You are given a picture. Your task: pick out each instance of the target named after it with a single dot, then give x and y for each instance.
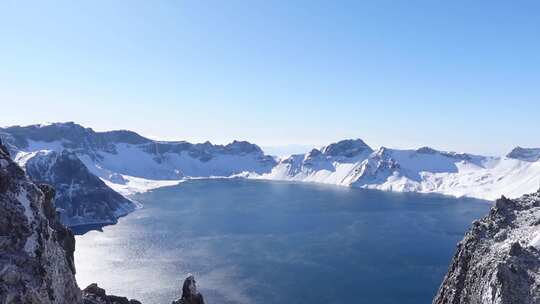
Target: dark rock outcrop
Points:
(80, 195)
(36, 250)
(526, 154)
(86, 141)
(36, 260)
(347, 148)
(498, 261)
(190, 295)
(95, 295)
(73, 137)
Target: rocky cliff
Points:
(90, 169)
(81, 196)
(498, 261)
(36, 250)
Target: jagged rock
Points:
(35, 266)
(82, 196)
(190, 295)
(93, 294)
(72, 136)
(346, 148)
(85, 141)
(36, 250)
(526, 154)
(73, 159)
(498, 261)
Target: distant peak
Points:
(427, 150)
(382, 151)
(67, 124)
(314, 153)
(525, 154)
(243, 146)
(347, 148)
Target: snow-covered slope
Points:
(332, 164)
(81, 196)
(423, 170)
(86, 166)
(129, 162)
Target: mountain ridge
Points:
(94, 166)
(424, 170)
(128, 163)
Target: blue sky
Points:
(455, 75)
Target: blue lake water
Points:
(272, 242)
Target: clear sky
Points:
(454, 75)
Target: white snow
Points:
(535, 242)
(22, 157)
(132, 169)
(133, 161)
(439, 172)
(134, 185)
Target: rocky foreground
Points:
(36, 250)
(498, 261)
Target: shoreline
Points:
(135, 185)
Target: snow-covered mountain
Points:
(83, 165)
(124, 157)
(423, 170)
(81, 197)
(332, 164)
(128, 162)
